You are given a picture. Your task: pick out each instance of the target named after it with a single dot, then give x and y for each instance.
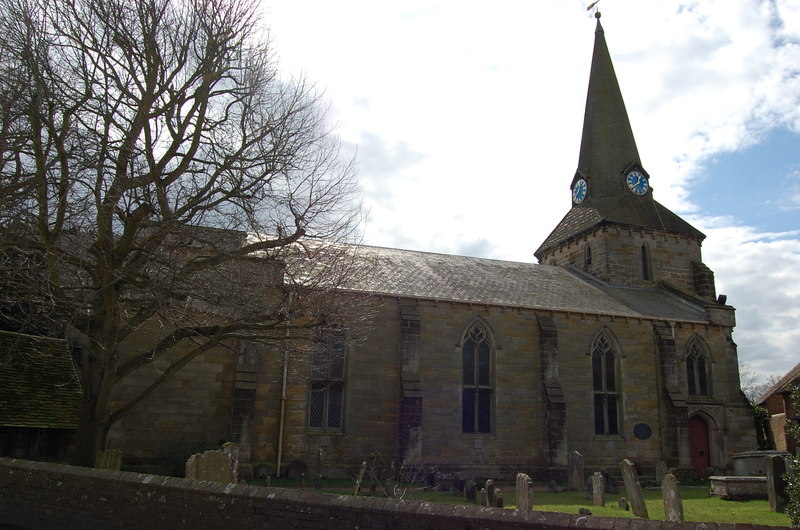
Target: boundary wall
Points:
(39, 495)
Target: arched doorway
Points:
(698, 444)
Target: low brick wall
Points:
(51, 496)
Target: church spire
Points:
(611, 186)
(608, 147)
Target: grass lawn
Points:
(697, 505)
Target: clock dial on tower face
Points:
(637, 182)
(579, 191)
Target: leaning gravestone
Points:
(111, 459)
(221, 465)
(673, 502)
(576, 481)
(598, 490)
(634, 489)
(776, 484)
(524, 492)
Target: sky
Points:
(465, 120)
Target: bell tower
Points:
(615, 230)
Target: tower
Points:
(615, 230)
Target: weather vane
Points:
(593, 5)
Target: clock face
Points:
(637, 182)
(579, 191)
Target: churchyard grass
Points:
(697, 505)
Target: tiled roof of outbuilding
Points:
(480, 281)
(38, 383)
(792, 377)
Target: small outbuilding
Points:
(39, 397)
(777, 401)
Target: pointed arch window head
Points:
(604, 384)
(698, 369)
(476, 381)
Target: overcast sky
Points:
(465, 118)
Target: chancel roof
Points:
(38, 383)
(480, 281)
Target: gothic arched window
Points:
(476, 381)
(698, 368)
(326, 398)
(604, 384)
(587, 257)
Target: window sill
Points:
(325, 432)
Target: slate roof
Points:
(782, 385)
(38, 383)
(480, 281)
(620, 210)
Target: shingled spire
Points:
(607, 144)
(607, 156)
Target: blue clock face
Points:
(579, 191)
(637, 182)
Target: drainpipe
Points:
(281, 417)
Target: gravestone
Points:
(359, 478)
(776, 484)
(318, 481)
(221, 465)
(633, 488)
(470, 493)
(623, 504)
(575, 471)
(498, 498)
(552, 487)
(589, 487)
(598, 489)
(661, 471)
(490, 493)
(458, 484)
(111, 459)
(524, 492)
(673, 503)
(609, 482)
(484, 497)
(231, 450)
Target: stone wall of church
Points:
(199, 405)
(191, 411)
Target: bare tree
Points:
(754, 384)
(155, 168)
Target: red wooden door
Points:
(698, 444)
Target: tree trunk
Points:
(92, 426)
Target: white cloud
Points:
(467, 117)
(758, 272)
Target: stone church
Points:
(615, 345)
